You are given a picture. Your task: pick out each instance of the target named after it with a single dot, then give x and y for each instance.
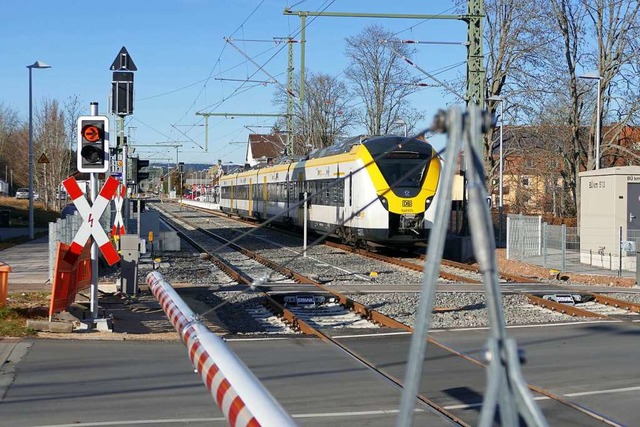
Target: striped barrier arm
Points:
(238, 393)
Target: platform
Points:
(29, 264)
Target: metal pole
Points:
(304, 248)
(94, 254)
(31, 230)
(138, 219)
(598, 126)
(451, 122)
(500, 199)
(93, 181)
(46, 194)
(544, 244)
(126, 208)
(564, 247)
(620, 253)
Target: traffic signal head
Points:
(93, 144)
(135, 174)
(141, 164)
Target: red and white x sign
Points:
(91, 216)
(118, 224)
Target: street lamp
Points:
(593, 76)
(37, 65)
(402, 122)
(500, 205)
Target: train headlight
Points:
(427, 202)
(384, 202)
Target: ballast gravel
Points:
(242, 311)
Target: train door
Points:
(350, 190)
(265, 196)
(287, 196)
(250, 198)
(232, 189)
(300, 192)
(633, 209)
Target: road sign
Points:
(43, 159)
(91, 216)
(123, 61)
(118, 224)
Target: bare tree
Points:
(10, 137)
(612, 25)
(380, 79)
(515, 38)
(50, 142)
(72, 110)
(327, 110)
(325, 115)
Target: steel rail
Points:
(550, 305)
(634, 307)
(302, 326)
(305, 327)
(397, 261)
(564, 308)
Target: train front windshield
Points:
(403, 162)
(403, 168)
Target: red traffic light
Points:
(91, 133)
(93, 144)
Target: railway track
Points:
(278, 282)
(305, 318)
(588, 305)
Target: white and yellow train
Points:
(379, 189)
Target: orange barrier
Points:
(69, 277)
(4, 283)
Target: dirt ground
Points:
(537, 272)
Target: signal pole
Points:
(473, 18)
(93, 158)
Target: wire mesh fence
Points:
(561, 248)
(65, 229)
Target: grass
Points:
(19, 308)
(32, 305)
(19, 212)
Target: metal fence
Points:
(558, 247)
(64, 230)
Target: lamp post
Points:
(593, 76)
(500, 200)
(37, 65)
(402, 122)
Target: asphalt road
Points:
(81, 383)
(84, 382)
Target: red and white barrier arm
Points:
(239, 394)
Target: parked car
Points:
(68, 209)
(22, 193)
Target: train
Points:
(361, 190)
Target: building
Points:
(536, 179)
(265, 148)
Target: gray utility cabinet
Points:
(610, 213)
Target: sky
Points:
(181, 55)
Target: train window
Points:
(403, 171)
